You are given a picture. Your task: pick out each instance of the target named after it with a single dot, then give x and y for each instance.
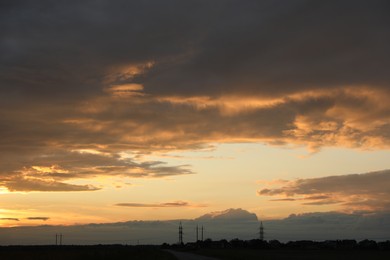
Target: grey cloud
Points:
(353, 191)
(132, 232)
(274, 48)
(266, 47)
(308, 226)
(330, 225)
(252, 44)
(323, 63)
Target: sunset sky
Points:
(144, 110)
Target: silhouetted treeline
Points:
(275, 244)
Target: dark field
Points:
(99, 252)
(294, 254)
(83, 252)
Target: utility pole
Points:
(197, 231)
(202, 232)
(261, 231)
(180, 234)
(58, 239)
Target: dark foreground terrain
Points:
(293, 250)
(98, 252)
(293, 254)
(259, 250)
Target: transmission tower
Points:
(261, 231)
(180, 234)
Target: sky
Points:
(156, 110)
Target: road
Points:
(188, 256)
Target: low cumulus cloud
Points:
(353, 192)
(137, 77)
(174, 204)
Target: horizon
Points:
(228, 225)
(162, 110)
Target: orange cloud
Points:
(89, 139)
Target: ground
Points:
(293, 254)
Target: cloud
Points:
(329, 226)
(284, 199)
(27, 185)
(12, 219)
(175, 204)
(38, 218)
(367, 191)
(49, 172)
(228, 224)
(162, 80)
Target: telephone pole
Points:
(58, 239)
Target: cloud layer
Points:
(309, 226)
(353, 192)
(87, 86)
(174, 204)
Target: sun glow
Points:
(4, 190)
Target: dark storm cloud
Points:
(52, 49)
(366, 191)
(144, 76)
(278, 47)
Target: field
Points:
(293, 254)
(114, 252)
(83, 253)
